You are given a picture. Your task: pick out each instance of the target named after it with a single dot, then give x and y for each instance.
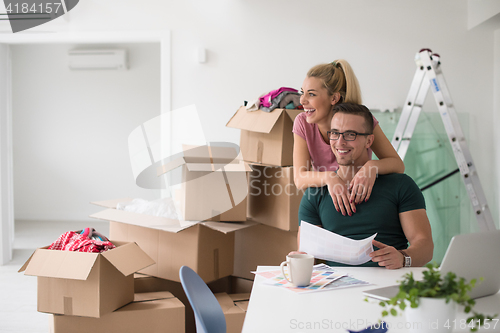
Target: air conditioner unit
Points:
(98, 59)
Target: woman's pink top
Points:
(321, 153)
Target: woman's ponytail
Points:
(338, 77)
(352, 90)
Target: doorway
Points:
(7, 73)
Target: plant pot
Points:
(431, 316)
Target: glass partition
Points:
(429, 158)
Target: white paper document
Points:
(327, 245)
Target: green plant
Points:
(450, 287)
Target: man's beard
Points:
(347, 163)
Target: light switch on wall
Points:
(201, 55)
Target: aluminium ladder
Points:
(429, 75)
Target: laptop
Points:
(469, 256)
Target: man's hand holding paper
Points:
(323, 244)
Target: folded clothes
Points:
(267, 100)
(290, 98)
(277, 100)
(252, 105)
(86, 241)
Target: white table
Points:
(274, 309)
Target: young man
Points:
(395, 211)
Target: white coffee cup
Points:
(300, 267)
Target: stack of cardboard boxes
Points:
(259, 199)
(88, 290)
(214, 188)
(273, 200)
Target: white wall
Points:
(6, 187)
(259, 45)
(71, 129)
(496, 109)
(481, 11)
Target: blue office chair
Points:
(207, 311)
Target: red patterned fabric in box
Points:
(73, 241)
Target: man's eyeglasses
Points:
(348, 135)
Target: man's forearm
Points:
(420, 252)
(417, 230)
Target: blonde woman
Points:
(314, 163)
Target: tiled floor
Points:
(17, 291)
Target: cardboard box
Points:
(214, 183)
(206, 247)
(273, 198)
(86, 284)
(241, 285)
(145, 283)
(266, 137)
(234, 308)
(261, 245)
(157, 312)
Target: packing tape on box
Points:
(216, 263)
(228, 186)
(260, 151)
(68, 305)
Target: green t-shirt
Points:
(392, 194)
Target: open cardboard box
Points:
(148, 313)
(86, 284)
(146, 283)
(234, 307)
(214, 183)
(206, 247)
(273, 198)
(273, 247)
(266, 137)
